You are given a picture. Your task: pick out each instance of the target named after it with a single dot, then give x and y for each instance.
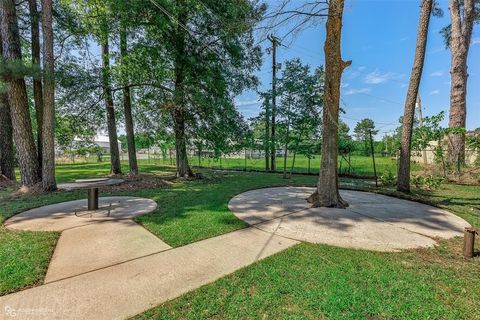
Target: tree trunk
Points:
(177, 111)
(183, 168)
(327, 194)
(48, 158)
(267, 137)
(7, 158)
(112, 127)
(7, 163)
(295, 156)
(420, 125)
(37, 79)
(285, 152)
(403, 182)
(459, 46)
(17, 96)
(127, 109)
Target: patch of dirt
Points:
(34, 190)
(468, 176)
(138, 182)
(131, 183)
(7, 183)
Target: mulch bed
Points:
(138, 182)
(131, 183)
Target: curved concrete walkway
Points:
(91, 240)
(372, 221)
(106, 266)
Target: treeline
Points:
(172, 68)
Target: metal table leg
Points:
(93, 199)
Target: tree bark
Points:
(327, 194)
(7, 161)
(37, 79)
(48, 144)
(420, 125)
(183, 168)
(285, 152)
(111, 124)
(267, 136)
(17, 96)
(459, 47)
(127, 108)
(178, 108)
(7, 157)
(403, 182)
(295, 155)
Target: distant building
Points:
(100, 140)
(470, 154)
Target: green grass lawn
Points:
(323, 282)
(360, 165)
(188, 211)
(306, 281)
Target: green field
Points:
(307, 281)
(359, 165)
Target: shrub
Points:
(388, 178)
(428, 182)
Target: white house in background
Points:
(100, 140)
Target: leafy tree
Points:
(68, 127)
(362, 131)
(345, 143)
(266, 98)
(431, 130)
(96, 18)
(300, 105)
(473, 143)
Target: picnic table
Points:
(92, 186)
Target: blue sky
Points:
(379, 36)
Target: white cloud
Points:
(475, 41)
(377, 77)
(344, 85)
(434, 92)
(356, 91)
(438, 73)
(242, 103)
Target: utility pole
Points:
(275, 42)
(420, 125)
(386, 144)
(267, 133)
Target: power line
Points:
(314, 54)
